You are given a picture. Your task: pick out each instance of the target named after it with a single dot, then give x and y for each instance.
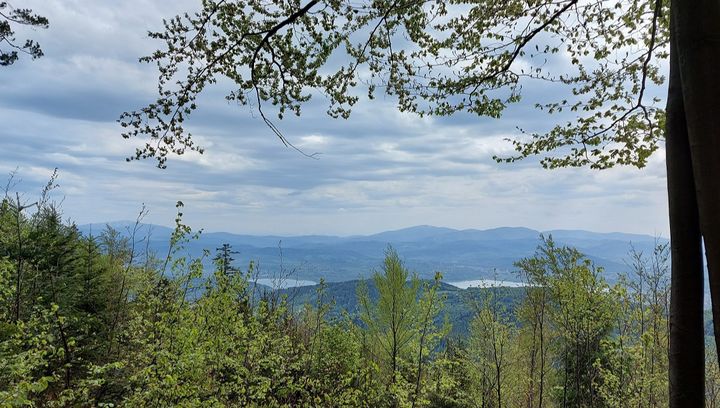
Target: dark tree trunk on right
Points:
(693, 160)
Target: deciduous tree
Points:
(439, 57)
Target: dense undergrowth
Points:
(99, 321)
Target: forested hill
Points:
(459, 254)
(459, 305)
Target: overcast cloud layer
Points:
(379, 170)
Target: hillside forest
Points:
(99, 320)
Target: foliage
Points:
(435, 57)
(92, 321)
(399, 327)
(490, 340)
(10, 18)
(635, 369)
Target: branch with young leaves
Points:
(436, 57)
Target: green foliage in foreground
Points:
(92, 321)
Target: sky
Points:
(377, 171)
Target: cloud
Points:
(378, 170)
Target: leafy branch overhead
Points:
(435, 57)
(10, 19)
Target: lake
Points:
(285, 283)
(486, 283)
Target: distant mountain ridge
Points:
(458, 254)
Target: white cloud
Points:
(380, 169)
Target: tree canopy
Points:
(99, 320)
(436, 57)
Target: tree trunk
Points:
(687, 352)
(698, 44)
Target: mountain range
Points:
(461, 255)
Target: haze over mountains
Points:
(459, 254)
